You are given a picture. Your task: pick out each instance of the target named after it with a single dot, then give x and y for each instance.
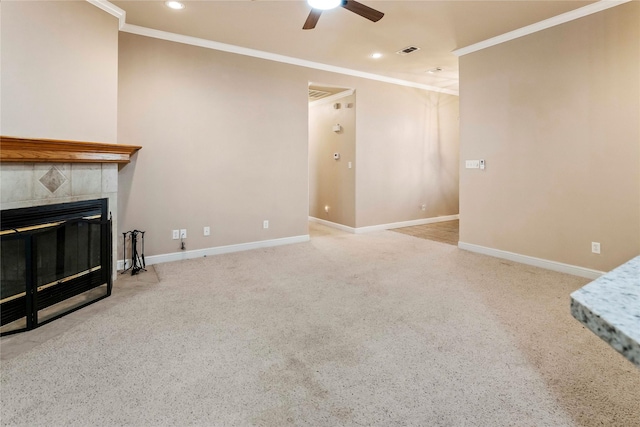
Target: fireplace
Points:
(55, 260)
(76, 182)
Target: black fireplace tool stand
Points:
(137, 258)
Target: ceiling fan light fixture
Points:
(324, 4)
(176, 5)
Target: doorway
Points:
(332, 156)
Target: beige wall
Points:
(225, 144)
(59, 71)
(556, 117)
(59, 80)
(331, 182)
(407, 154)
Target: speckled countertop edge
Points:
(610, 307)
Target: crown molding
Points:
(542, 25)
(111, 9)
(209, 44)
(224, 47)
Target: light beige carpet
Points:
(380, 329)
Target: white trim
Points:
(333, 224)
(218, 250)
(209, 44)
(111, 9)
(332, 98)
(542, 25)
(381, 227)
(536, 262)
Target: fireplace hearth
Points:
(55, 259)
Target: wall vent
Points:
(407, 50)
(317, 94)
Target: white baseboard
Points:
(402, 224)
(380, 227)
(333, 224)
(536, 262)
(218, 250)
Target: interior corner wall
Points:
(59, 71)
(332, 183)
(407, 154)
(225, 144)
(555, 115)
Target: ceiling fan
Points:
(317, 6)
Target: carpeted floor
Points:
(380, 329)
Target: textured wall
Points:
(58, 80)
(59, 71)
(555, 114)
(407, 154)
(225, 144)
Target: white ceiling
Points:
(346, 40)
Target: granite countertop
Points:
(610, 307)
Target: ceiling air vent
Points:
(407, 50)
(317, 94)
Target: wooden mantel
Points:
(14, 149)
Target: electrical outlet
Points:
(265, 223)
(595, 247)
(207, 231)
(183, 233)
(176, 234)
(423, 207)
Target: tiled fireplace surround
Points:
(64, 178)
(35, 184)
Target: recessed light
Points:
(434, 70)
(376, 55)
(174, 5)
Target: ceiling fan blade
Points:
(362, 10)
(312, 19)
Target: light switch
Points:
(472, 164)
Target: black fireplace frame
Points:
(24, 224)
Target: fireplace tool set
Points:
(137, 259)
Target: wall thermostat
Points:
(336, 156)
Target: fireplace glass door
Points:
(53, 262)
